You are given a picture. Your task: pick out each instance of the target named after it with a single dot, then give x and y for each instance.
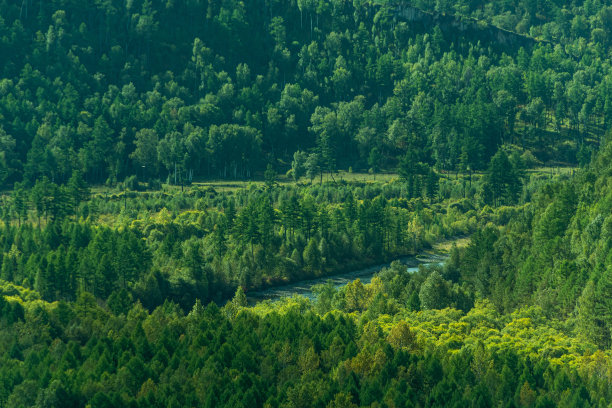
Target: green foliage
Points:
(434, 292)
(96, 282)
(554, 254)
(197, 97)
(200, 244)
(502, 184)
(337, 360)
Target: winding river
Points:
(304, 288)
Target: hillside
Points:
(162, 161)
(182, 90)
(556, 254)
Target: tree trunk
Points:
(311, 26)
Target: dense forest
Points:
(203, 244)
(183, 90)
(161, 160)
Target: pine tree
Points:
(432, 184)
(20, 202)
(312, 257)
(78, 190)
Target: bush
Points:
(131, 183)
(155, 184)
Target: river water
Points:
(304, 288)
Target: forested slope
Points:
(178, 90)
(122, 241)
(370, 345)
(557, 253)
(571, 23)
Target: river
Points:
(304, 288)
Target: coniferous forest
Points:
(161, 161)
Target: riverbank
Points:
(437, 254)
